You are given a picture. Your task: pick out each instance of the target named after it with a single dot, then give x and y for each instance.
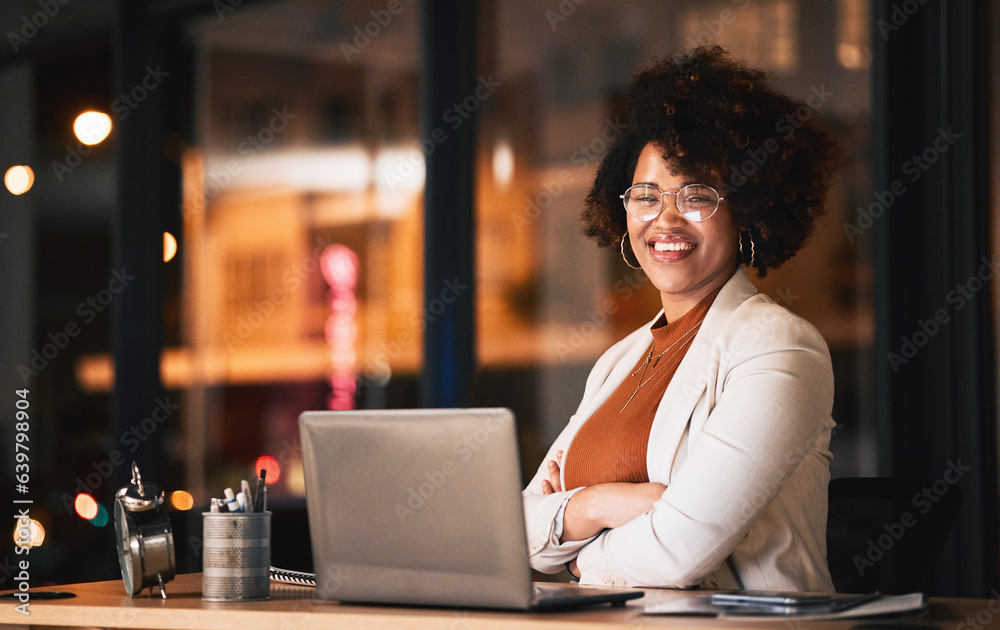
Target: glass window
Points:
(302, 229)
(550, 302)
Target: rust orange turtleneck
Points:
(611, 444)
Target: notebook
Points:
(423, 507)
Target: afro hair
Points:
(721, 122)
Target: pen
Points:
(260, 499)
(248, 499)
(262, 492)
(242, 501)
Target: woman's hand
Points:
(602, 506)
(553, 484)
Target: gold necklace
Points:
(650, 357)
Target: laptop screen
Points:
(416, 506)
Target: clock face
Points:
(127, 548)
(144, 538)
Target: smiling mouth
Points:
(672, 247)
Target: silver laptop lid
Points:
(416, 507)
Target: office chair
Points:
(885, 533)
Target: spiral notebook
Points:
(423, 507)
(287, 576)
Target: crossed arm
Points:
(601, 506)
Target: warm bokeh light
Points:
(92, 127)
(853, 57)
(400, 170)
(181, 500)
(19, 179)
(272, 467)
(86, 506)
(28, 533)
(503, 163)
(169, 247)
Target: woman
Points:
(699, 453)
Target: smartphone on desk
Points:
(769, 598)
(768, 603)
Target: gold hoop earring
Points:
(625, 236)
(752, 249)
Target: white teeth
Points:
(672, 247)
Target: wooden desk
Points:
(105, 604)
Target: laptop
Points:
(423, 507)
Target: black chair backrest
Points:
(886, 533)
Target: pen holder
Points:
(237, 556)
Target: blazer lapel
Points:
(697, 370)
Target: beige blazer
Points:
(741, 440)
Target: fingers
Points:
(555, 479)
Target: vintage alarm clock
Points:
(145, 540)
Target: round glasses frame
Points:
(681, 203)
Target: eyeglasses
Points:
(695, 202)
